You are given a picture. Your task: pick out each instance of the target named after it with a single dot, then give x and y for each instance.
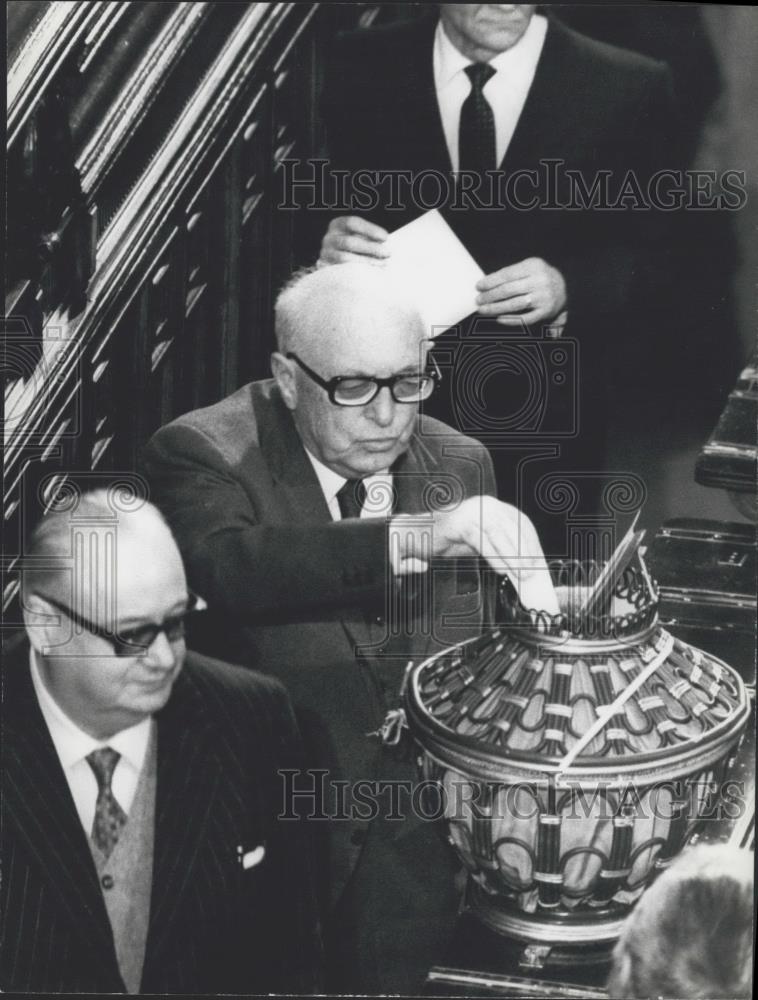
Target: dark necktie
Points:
(109, 816)
(350, 497)
(476, 132)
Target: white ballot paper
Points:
(437, 269)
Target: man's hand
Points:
(531, 291)
(480, 526)
(350, 238)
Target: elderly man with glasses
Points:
(338, 533)
(141, 845)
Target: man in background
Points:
(485, 88)
(141, 849)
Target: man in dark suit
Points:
(141, 849)
(339, 536)
(550, 113)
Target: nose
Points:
(161, 653)
(382, 407)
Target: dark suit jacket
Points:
(214, 927)
(591, 107)
(310, 598)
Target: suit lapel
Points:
(37, 803)
(417, 102)
(188, 777)
(411, 475)
(548, 109)
(293, 474)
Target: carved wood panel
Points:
(146, 246)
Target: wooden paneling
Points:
(146, 246)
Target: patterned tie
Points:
(351, 497)
(109, 816)
(476, 132)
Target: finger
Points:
(345, 257)
(505, 290)
(493, 280)
(513, 539)
(361, 245)
(328, 255)
(539, 593)
(487, 531)
(513, 272)
(499, 549)
(520, 319)
(519, 305)
(362, 227)
(412, 565)
(532, 581)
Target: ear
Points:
(41, 622)
(283, 371)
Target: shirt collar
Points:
(332, 482)
(448, 60)
(521, 57)
(72, 743)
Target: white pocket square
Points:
(252, 858)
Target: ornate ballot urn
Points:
(573, 762)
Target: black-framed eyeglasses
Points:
(133, 641)
(357, 390)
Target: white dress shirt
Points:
(506, 91)
(378, 502)
(73, 745)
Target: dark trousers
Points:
(396, 917)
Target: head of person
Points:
(481, 31)
(336, 327)
(691, 933)
(104, 594)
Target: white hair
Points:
(691, 933)
(308, 300)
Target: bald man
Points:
(141, 845)
(339, 534)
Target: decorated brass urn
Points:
(574, 757)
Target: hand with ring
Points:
(531, 291)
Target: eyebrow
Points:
(408, 370)
(177, 609)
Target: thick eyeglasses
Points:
(357, 390)
(133, 641)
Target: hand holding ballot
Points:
(351, 238)
(531, 291)
(432, 260)
(426, 257)
(479, 526)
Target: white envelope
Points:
(438, 271)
